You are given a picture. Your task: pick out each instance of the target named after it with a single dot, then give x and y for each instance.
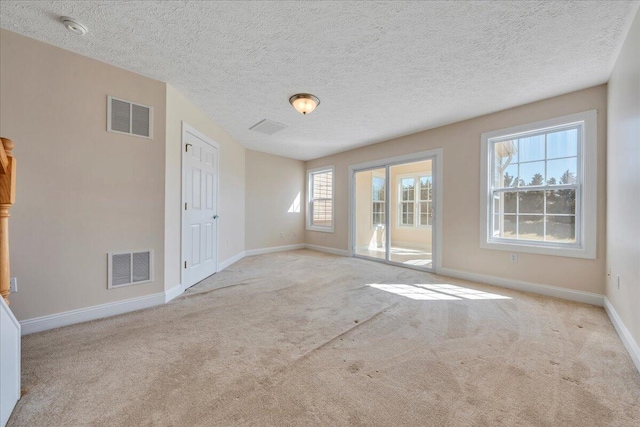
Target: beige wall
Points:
(81, 191)
(623, 183)
(274, 201)
(461, 193)
(231, 200)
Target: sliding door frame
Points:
(434, 155)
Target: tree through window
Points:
(535, 187)
(540, 187)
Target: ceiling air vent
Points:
(129, 118)
(268, 127)
(130, 268)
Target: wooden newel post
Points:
(7, 198)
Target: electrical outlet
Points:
(513, 258)
(618, 282)
(281, 235)
(13, 284)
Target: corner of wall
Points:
(274, 201)
(623, 181)
(232, 184)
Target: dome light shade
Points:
(304, 103)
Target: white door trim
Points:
(186, 128)
(436, 155)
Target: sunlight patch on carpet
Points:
(435, 292)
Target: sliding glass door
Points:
(393, 213)
(411, 219)
(371, 211)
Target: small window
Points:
(378, 201)
(320, 199)
(425, 213)
(540, 187)
(415, 204)
(407, 200)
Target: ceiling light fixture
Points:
(304, 103)
(74, 26)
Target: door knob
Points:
(216, 217)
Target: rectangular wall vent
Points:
(130, 268)
(129, 118)
(268, 127)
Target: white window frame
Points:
(401, 200)
(309, 210)
(416, 199)
(428, 201)
(586, 191)
(382, 176)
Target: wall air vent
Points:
(129, 118)
(268, 127)
(130, 268)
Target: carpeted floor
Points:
(300, 339)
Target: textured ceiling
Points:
(380, 69)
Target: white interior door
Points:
(200, 215)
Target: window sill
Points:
(320, 229)
(532, 248)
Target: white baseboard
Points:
(624, 334)
(334, 251)
(43, 323)
(519, 285)
(174, 292)
(253, 252)
(227, 262)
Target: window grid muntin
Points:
(378, 204)
(415, 210)
(407, 202)
(321, 199)
(577, 186)
(428, 201)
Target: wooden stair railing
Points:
(7, 198)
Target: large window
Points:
(536, 186)
(415, 201)
(320, 199)
(378, 201)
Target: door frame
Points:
(186, 128)
(436, 155)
